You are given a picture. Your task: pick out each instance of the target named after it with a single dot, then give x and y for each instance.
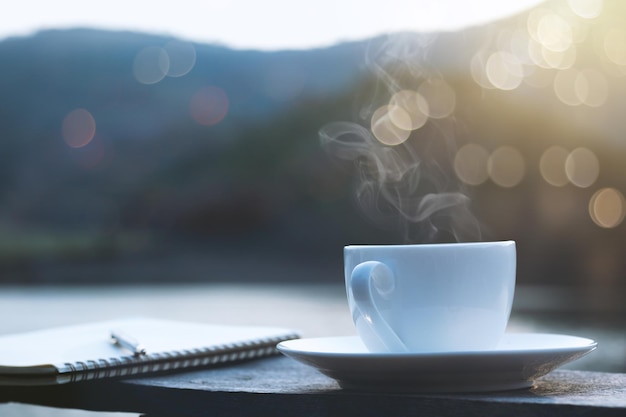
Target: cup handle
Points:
(365, 277)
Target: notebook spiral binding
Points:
(151, 363)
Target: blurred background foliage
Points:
(127, 157)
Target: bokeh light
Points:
(79, 128)
(477, 69)
(594, 90)
(506, 166)
(607, 207)
(550, 41)
(399, 117)
(470, 164)
(559, 59)
(96, 154)
(589, 87)
(565, 87)
(539, 78)
(517, 44)
(410, 110)
(552, 166)
(553, 32)
(384, 128)
(615, 45)
(580, 28)
(533, 20)
(537, 55)
(182, 57)
(582, 167)
(209, 106)
(151, 65)
(504, 70)
(440, 97)
(587, 9)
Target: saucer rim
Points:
(585, 344)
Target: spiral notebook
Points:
(87, 352)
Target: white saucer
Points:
(515, 363)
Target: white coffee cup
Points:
(451, 297)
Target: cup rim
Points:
(427, 245)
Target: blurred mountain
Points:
(149, 159)
(151, 165)
(146, 139)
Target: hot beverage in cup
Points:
(449, 297)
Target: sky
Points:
(256, 24)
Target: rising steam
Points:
(399, 187)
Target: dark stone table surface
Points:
(279, 385)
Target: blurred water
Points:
(322, 308)
(315, 310)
